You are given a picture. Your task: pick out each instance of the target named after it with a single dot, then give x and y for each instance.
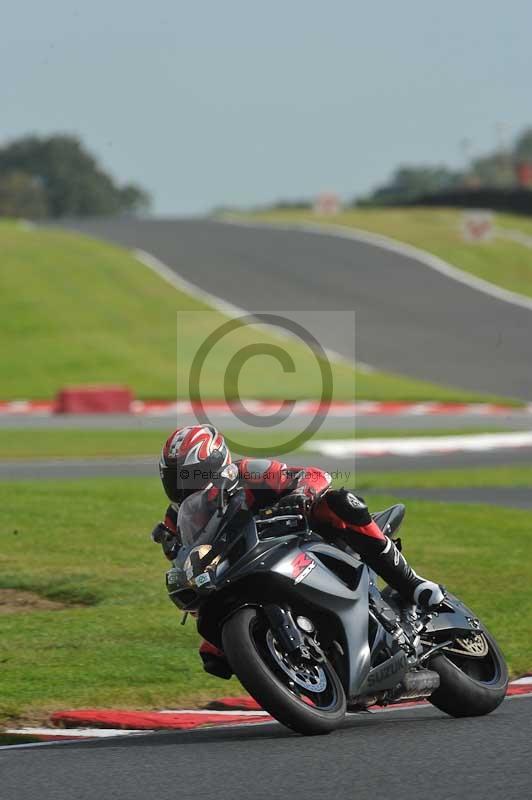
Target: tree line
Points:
(500, 170)
(55, 176)
(501, 179)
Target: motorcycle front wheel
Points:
(305, 694)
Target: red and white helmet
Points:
(191, 459)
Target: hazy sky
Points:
(212, 103)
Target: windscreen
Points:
(194, 514)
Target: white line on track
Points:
(70, 733)
(419, 445)
(92, 736)
(228, 713)
(180, 283)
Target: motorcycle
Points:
(305, 627)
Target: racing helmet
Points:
(191, 459)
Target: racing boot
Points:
(214, 661)
(346, 513)
(393, 567)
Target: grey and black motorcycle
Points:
(305, 628)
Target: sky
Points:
(242, 103)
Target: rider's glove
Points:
(169, 540)
(160, 533)
(294, 503)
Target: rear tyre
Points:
(470, 686)
(308, 697)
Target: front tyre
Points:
(470, 686)
(304, 694)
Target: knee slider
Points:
(348, 506)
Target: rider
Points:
(193, 456)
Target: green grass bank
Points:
(122, 645)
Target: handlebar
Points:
(283, 518)
(290, 521)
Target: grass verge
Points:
(505, 263)
(128, 649)
(471, 477)
(516, 223)
(75, 310)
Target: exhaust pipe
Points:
(416, 685)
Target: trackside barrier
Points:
(94, 400)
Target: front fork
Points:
(284, 628)
(290, 636)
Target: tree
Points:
(22, 196)
(495, 171)
(409, 182)
(134, 199)
(73, 183)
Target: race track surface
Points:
(514, 421)
(346, 469)
(410, 319)
(400, 754)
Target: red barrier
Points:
(94, 400)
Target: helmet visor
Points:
(180, 482)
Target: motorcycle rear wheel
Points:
(247, 643)
(470, 687)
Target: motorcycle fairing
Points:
(454, 617)
(321, 587)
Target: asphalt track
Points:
(410, 319)
(400, 754)
(347, 470)
(513, 421)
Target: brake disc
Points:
(308, 675)
(475, 646)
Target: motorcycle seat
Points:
(390, 519)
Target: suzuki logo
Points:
(379, 674)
